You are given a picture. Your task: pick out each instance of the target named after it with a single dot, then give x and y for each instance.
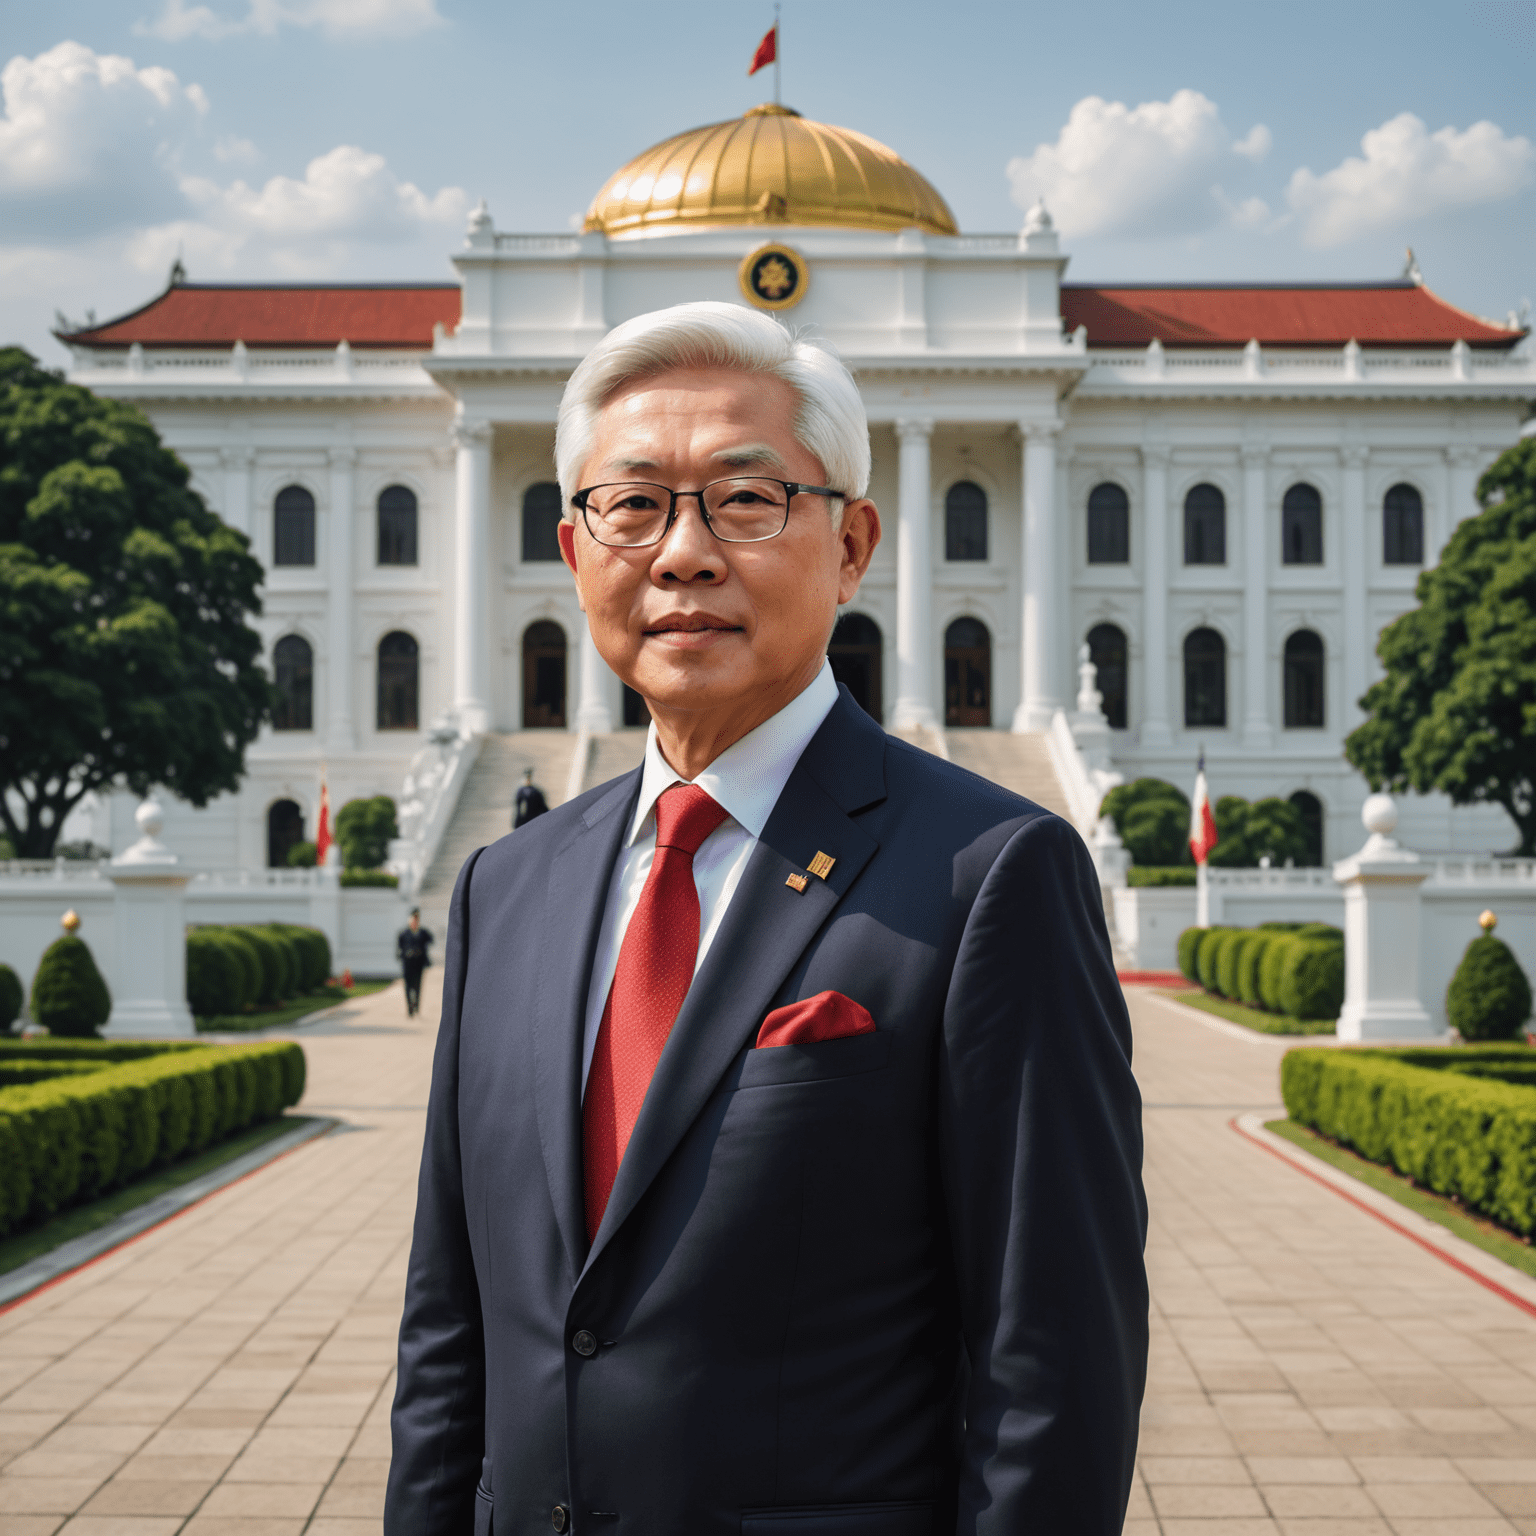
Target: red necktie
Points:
(655, 969)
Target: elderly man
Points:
(782, 1165)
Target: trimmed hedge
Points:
(1152, 874)
(1295, 969)
(234, 968)
(1440, 1118)
(379, 877)
(79, 1133)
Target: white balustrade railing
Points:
(433, 783)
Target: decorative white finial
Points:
(1089, 699)
(479, 219)
(149, 849)
(149, 818)
(1038, 220)
(1411, 269)
(1379, 813)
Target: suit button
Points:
(584, 1343)
(560, 1517)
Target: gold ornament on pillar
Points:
(70, 921)
(1487, 921)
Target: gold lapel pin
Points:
(821, 865)
(797, 883)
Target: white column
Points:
(237, 488)
(1154, 597)
(1039, 701)
(149, 978)
(1064, 639)
(914, 578)
(1257, 731)
(1355, 560)
(340, 733)
(472, 529)
(595, 712)
(1382, 936)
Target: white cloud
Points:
(1256, 145)
(1151, 169)
(1408, 173)
(178, 21)
(89, 141)
(232, 149)
(347, 193)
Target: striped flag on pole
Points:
(1202, 824)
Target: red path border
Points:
(1370, 1210)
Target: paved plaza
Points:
(229, 1374)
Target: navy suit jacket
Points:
(889, 1285)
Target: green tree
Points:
(1246, 833)
(1456, 711)
(363, 831)
(1152, 818)
(125, 655)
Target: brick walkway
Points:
(229, 1374)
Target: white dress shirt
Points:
(747, 779)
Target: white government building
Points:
(1224, 490)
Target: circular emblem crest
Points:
(774, 277)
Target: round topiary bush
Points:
(273, 967)
(68, 995)
(292, 982)
(1489, 997)
(1248, 967)
(246, 958)
(1229, 965)
(1272, 964)
(1312, 982)
(11, 995)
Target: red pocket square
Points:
(827, 1016)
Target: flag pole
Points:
(778, 46)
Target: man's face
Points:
(415, 922)
(693, 623)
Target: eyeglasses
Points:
(747, 510)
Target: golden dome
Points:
(770, 166)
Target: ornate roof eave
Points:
(1261, 389)
(493, 367)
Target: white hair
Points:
(829, 423)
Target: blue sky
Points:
(300, 139)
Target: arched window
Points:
(855, 653)
(1205, 678)
(1107, 651)
(541, 521)
(1205, 526)
(285, 827)
(967, 673)
(293, 527)
(965, 522)
(293, 671)
(397, 525)
(399, 678)
(1304, 680)
(543, 676)
(1301, 526)
(1109, 525)
(1402, 526)
(1310, 809)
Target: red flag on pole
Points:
(767, 50)
(323, 830)
(1202, 824)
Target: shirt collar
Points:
(750, 775)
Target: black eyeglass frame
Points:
(792, 488)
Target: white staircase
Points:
(1021, 763)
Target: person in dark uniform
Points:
(530, 802)
(412, 946)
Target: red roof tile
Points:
(1395, 314)
(218, 315)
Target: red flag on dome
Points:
(323, 830)
(1202, 824)
(767, 50)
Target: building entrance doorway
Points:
(967, 673)
(855, 651)
(543, 676)
(285, 827)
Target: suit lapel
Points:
(575, 900)
(766, 929)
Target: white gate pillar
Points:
(149, 983)
(1382, 934)
(914, 577)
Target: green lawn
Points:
(1478, 1230)
(80, 1219)
(286, 1013)
(1253, 1018)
